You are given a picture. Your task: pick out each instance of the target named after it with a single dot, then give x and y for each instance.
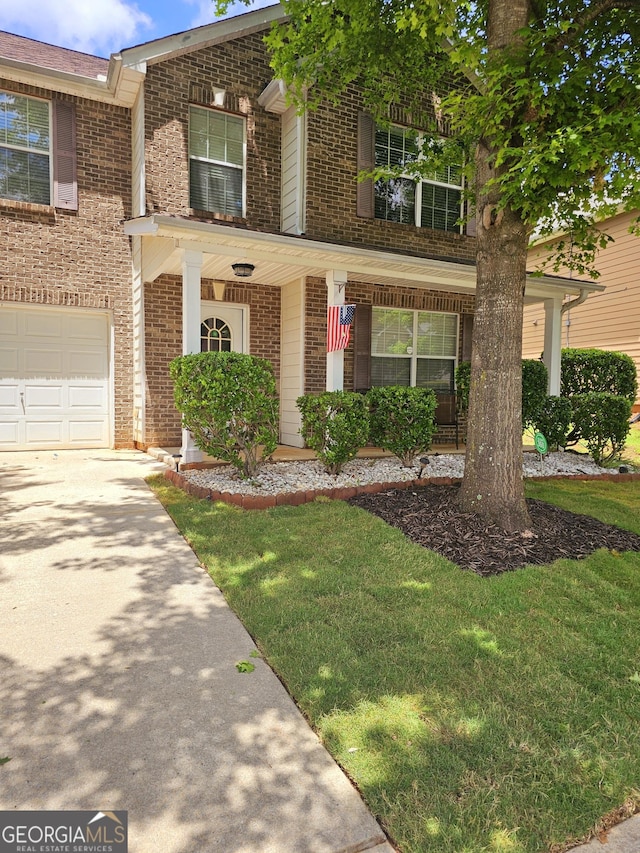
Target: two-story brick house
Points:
(170, 200)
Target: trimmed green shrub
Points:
(334, 424)
(401, 420)
(553, 420)
(229, 402)
(585, 371)
(534, 387)
(601, 421)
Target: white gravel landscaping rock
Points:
(282, 477)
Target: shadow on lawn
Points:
(474, 714)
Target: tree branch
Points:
(588, 16)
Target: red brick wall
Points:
(332, 167)
(163, 333)
(80, 258)
(239, 67)
(315, 377)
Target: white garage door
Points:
(54, 378)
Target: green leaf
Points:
(245, 666)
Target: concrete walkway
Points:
(118, 685)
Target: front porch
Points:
(280, 286)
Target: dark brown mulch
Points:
(430, 517)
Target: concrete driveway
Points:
(118, 684)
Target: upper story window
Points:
(417, 348)
(25, 149)
(216, 161)
(431, 202)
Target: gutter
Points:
(573, 303)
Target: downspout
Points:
(573, 303)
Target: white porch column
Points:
(553, 343)
(336, 282)
(191, 277)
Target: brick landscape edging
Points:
(343, 493)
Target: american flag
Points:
(339, 320)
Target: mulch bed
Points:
(430, 516)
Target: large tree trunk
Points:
(493, 486)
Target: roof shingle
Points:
(39, 53)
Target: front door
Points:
(223, 328)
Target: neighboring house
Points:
(609, 320)
(170, 200)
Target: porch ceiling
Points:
(281, 259)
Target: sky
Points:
(102, 27)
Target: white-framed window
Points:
(216, 161)
(417, 348)
(25, 148)
(431, 202)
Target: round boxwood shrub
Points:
(553, 420)
(334, 424)
(601, 421)
(229, 402)
(586, 371)
(402, 420)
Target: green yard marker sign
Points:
(541, 443)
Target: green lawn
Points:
(474, 714)
(631, 452)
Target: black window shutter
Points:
(366, 162)
(362, 348)
(65, 180)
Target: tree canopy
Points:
(541, 103)
(559, 101)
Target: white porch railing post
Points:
(336, 283)
(553, 343)
(191, 279)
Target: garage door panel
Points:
(9, 362)
(54, 378)
(88, 397)
(86, 329)
(87, 433)
(43, 362)
(8, 322)
(9, 397)
(43, 324)
(87, 363)
(43, 396)
(9, 434)
(43, 432)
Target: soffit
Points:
(281, 259)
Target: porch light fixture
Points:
(243, 270)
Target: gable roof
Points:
(22, 49)
(217, 32)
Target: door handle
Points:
(24, 411)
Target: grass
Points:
(475, 715)
(631, 452)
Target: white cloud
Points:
(93, 26)
(206, 10)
